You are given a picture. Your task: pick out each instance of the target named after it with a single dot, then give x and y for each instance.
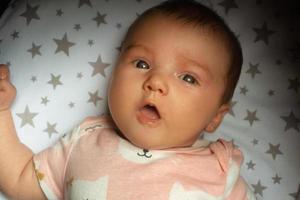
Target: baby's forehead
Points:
(207, 30)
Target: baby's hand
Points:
(7, 90)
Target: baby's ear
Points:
(214, 124)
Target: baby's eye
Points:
(189, 78)
(141, 64)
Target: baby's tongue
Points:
(150, 113)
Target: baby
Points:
(174, 79)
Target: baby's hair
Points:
(195, 14)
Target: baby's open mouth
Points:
(149, 115)
(150, 111)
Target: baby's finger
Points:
(4, 72)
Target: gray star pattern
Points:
(45, 100)
(63, 44)
(55, 81)
(250, 165)
(291, 121)
(99, 66)
(296, 194)
(232, 104)
(59, 12)
(79, 75)
(100, 19)
(86, 2)
(71, 105)
(276, 179)
(258, 188)
(271, 92)
(94, 98)
(274, 150)
(243, 90)
(253, 70)
(50, 129)
(294, 84)
(30, 13)
(15, 35)
(35, 50)
(33, 79)
(77, 27)
(254, 142)
(27, 117)
(228, 4)
(91, 43)
(251, 116)
(263, 33)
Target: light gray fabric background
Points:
(61, 54)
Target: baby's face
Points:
(168, 84)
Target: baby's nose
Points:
(156, 83)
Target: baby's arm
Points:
(17, 173)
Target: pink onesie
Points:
(94, 163)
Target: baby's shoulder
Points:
(93, 122)
(87, 126)
(227, 153)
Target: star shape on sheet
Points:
(119, 25)
(271, 93)
(71, 104)
(50, 129)
(228, 4)
(99, 66)
(263, 33)
(291, 121)
(90, 42)
(295, 52)
(63, 45)
(296, 194)
(27, 117)
(84, 2)
(274, 150)
(294, 84)
(258, 188)
(15, 35)
(251, 117)
(100, 19)
(243, 90)
(253, 70)
(35, 50)
(30, 13)
(77, 27)
(255, 142)
(94, 98)
(79, 75)
(33, 79)
(276, 179)
(250, 165)
(45, 100)
(55, 81)
(231, 105)
(59, 12)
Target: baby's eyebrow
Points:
(133, 46)
(200, 66)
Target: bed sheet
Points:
(61, 54)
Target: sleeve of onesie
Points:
(50, 164)
(230, 160)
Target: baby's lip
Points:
(148, 114)
(152, 104)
